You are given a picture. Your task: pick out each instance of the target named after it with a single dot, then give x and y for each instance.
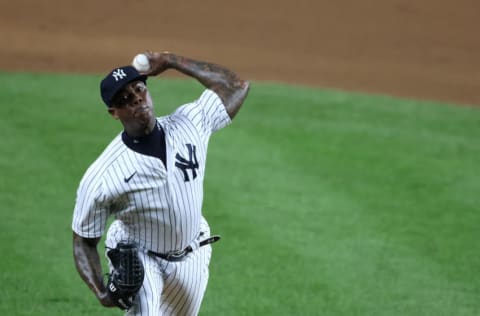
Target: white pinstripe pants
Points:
(171, 288)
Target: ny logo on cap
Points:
(119, 74)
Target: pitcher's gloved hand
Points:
(126, 278)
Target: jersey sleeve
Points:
(91, 210)
(207, 113)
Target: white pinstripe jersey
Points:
(160, 207)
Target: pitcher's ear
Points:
(113, 112)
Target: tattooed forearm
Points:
(87, 262)
(229, 87)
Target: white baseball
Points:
(141, 63)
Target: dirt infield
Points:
(425, 49)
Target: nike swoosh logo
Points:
(129, 178)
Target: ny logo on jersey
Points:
(185, 164)
(119, 74)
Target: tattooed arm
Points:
(87, 262)
(229, 87)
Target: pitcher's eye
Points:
(122, 99)
(141, 87)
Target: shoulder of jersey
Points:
(107, 157)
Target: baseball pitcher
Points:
(150, 180)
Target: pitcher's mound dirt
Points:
(420, 49)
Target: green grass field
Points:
(329, 203)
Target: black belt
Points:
(181, 254)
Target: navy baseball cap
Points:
(116, 80)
